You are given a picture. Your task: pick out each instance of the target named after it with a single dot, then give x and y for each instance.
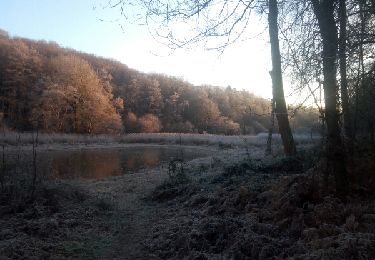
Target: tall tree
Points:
(75, 95)
(19, 71)
(277, 81)
(325, 13)
(343, 75)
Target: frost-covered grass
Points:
(13, 138)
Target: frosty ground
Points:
(237, 204)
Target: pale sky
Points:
(78, 24)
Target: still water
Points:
(105, 162)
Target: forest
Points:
(58, 90)
(100, 161)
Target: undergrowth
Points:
(271, 208)
(60, 221)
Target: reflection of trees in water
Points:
(151, 157)
(85, 164)
(103, 163)
(139, 159)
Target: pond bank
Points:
(14, 139)
(108, 219)
(229, 206)
(95, 161)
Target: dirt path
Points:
(111, 218)
(223, 210)
(133, 213)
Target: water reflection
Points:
(101, 163)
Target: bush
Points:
(149, 123)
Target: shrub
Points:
(149, 123)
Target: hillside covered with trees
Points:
(241, 197)
(53, 89)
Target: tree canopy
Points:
(54, 89)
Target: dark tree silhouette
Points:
(277, 82)
(324, 11)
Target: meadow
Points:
(15, 139)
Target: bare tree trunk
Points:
(277, 82)
(344, 81)
(336, 156)
(270, 130)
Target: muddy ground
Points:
(234, 205)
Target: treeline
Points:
(54, 89)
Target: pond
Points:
(98, 163)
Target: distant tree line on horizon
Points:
(54, 89)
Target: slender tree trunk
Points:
(344, 81)
(371, 130)
(361, 69)
(270, 130)
(277, 82)
(336, 156)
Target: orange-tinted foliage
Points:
(54, 89)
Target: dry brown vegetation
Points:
(59, 222)
(252, 211)
(52, 89)
(318, 204)
(234, 205)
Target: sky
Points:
(88, 26)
